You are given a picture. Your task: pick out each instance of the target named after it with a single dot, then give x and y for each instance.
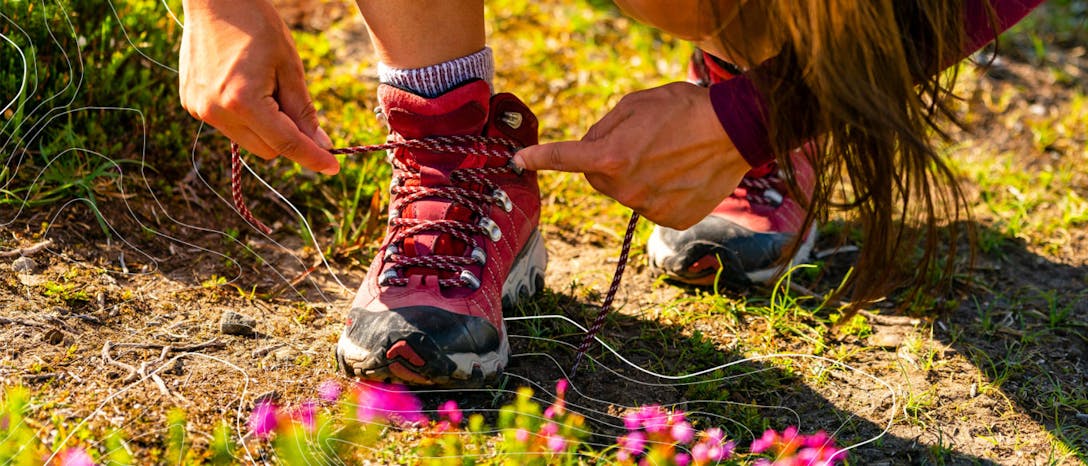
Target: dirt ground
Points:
(114, 332)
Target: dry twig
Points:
(29, 250)
(28, 323)
(33, 378)
(263, 351)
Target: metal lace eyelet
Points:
(514, 167)
(387, 276)
(390, 251)
(470, 280)
(393, 213)
(503, 199)
(479, 256)
(491, 228)
(773, 196)
(512, 119)
(394, 183)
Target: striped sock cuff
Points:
(435, 80)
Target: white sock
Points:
(435, 80)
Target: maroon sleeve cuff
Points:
(742, 113)
(980, 31)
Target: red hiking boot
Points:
(747, 234)
(462, 244)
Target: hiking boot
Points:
(462, 243)
(742, 241)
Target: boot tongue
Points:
(460, 111)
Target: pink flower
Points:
(720, 451)
(682, 459)
(682, 433)
(632, 420)
(561, 388)
(559, 407)
(550, 428)
(633, 442)
(75, 456)
(379, 401)
(699, 453)
(790, 447)
(654, 419)
(443, 426)
(521, 435)
(306, 415)
(556, 443)
(712, 447)
(452, 412)
(262, 421)
(329, 391)
(715, 435)
(817, 440)
(677, 417)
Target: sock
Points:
(435, 80)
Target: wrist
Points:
(212, 7)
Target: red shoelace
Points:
(474, 200)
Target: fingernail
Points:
(519, 161)
(323, 139)
(331, 170)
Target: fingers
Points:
(590, 155)
(566, 156)
(249, 140)
(294, 100)
(279, 132)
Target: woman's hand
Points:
(240, 72)
(661, 152)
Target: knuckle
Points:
(201, 109)
(287, 147)
(594, 133)
(236, 100)
(554, 158)
(308, 117)
(612, 163)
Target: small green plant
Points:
(214, 282)
(68, 293)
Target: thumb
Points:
(295, 102)
(565, 156)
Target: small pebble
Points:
(885, 338)
(23, 264)
(271, 396)
(233, 323)
(53, 337)
(284, 355)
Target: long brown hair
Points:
(866, 75)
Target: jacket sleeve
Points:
(742, 111)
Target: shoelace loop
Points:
(466, 145)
